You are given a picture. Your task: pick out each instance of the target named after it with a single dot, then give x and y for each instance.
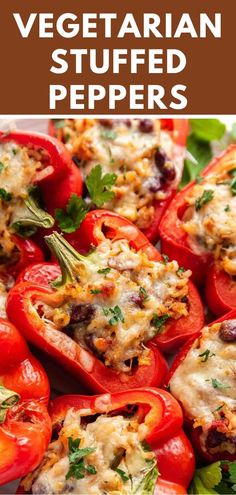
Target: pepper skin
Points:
(25, 430)
(178, 128)
(162, 416)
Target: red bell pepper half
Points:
(160, 419)
(211, 433)
(83, 363)
(178, 130)
(220, 285)
(89, 369)
(57, 179)
(24, 392)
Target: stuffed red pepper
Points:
(110, 309)
(202, 379)
(120, 443)
(26, 161)
(130, 166)
(24, 392)
(198, 229)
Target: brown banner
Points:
(26, 62)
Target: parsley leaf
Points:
(227, 208)
(108, 134)
(91, 469)
(201, 155)
(207, 129)
(232, 472)
(143, 293)
(217, 384)
(1, 166)
(6, 196)
(122, 474)
(70, 218)
(104, 270)
(158, 321)
(95, 291)
(165, 259)
(180, 270)
(99, 186)
(203, 132)
(205, 355)
(76, 459)
(233, 186)
(206, 196)
(218, 408)
(116, 313)
(219, 477)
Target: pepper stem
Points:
(34, 216)
(67, 257)
(8, 399)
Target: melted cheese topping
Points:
(117, 445)
(138, 287)
(206, 386)
(17, 172)
(129, 153)
(213, 227)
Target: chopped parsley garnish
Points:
(99, 186)
(14, 151)
(217, 384)
(108, 134)
(206, 196)
(165, 259)
(6, 196)
(104, 271)
(227, 208)
(233, 186)
(218, 408)
(146, 447)
(159, 321)
(116, 315)
(205, 355)
(95, 291)
(122, 474)
(143, 293)
(91, 469)
(180, 270)
(1, 166)
(78, 468)
(70, 218)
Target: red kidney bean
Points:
(227, 331)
